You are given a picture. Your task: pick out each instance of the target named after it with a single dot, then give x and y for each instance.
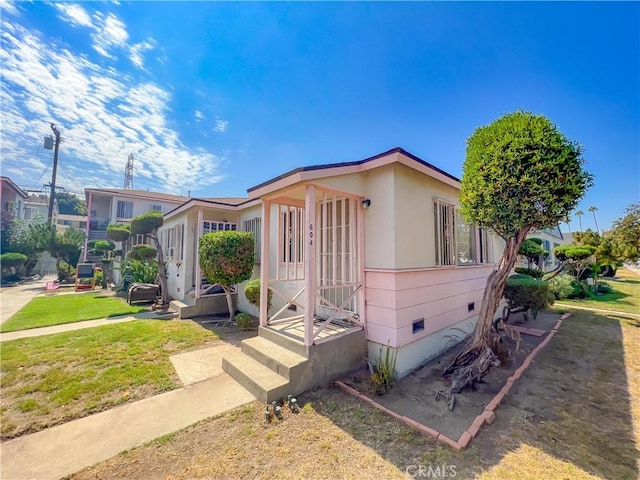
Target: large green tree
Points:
(71, 204)
(227, 258)
(520, 173)
(626, 231)
(148, 224)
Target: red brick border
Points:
(487, 416)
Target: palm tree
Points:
(579, 213)
(593, 210)
(567, 220)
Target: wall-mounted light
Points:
(366, 203)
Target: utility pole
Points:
(52, 195)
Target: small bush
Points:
(99, 275)
(243, 320)
(142, 252)
(532, 272)
(562, 286)
(604, 287)
(252, 292)
(12, 259)
(580, 289)
(527, 293)
(384, 371)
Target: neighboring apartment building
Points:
(117, 205)
(65, 221)
(13, 198)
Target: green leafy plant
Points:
(119, 232)
(148, 224)
(252, 293)
(142, 252)
(531, 248)
(562, 286)
(532, 272)
(244, 321)
(526, 294)
(227, 258)
(12, 259)
(139, 272)
(383, 371)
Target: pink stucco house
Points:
(357, 255)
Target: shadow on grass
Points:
(573, 404)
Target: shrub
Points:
(526, 293)
(580, 289)
(139, 272)
(142, 252)
(383, 372)
(562, 286)
(243, 320)
(604, 287)
(99, 277)
(12, 259)
(532, 272)
(252, 292)
(118, 232)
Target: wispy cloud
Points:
(9, 7)
(221, 125)
(199, 115)
(108, 33)
(103, 116)
(74, 14)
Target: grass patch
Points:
(574, 414)
(55, 378)
(624, 297)
(69, 308)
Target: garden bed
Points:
(414, 396)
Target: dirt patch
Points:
(416, 396)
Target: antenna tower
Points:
(128, 173)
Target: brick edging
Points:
(487, 416)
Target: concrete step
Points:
(265, 384)
(279, 359)
(285, 341)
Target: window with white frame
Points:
(31, 213)
(172, 241)
(292, 248)
(124, 209)
(458, 242)
(210, 227)
(156, 208)
(254, 225)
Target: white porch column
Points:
(360, 258)
(264, 262)
(310, 262)
(87, 228)
(198, 279)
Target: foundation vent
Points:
(418, 325)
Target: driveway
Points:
(13, 298)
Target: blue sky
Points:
(214, 98)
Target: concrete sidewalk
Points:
(67, 327)
(62, 450)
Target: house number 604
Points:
(311, 234)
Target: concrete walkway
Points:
(593, 309)
(68, 327)
(62, 450)
(13, 298)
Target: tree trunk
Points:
(227, 292)
(162, 274)
(480, 340)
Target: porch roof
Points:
(312, 172)
(229, 203)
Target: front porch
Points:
(315, 272)
(312, 267)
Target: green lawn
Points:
(69, 308)
(574, 414)
(625, 296)
(55, 378)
